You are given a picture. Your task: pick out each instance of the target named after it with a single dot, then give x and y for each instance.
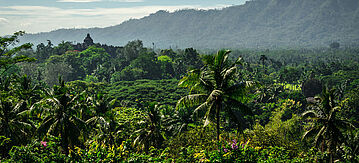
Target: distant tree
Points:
(186, 60)
(62, 48)
(168, 52)
(92, 57)
(148, 62)
(9, 56)
(311, 87)
(263, 58)
(290, 74)
(54, 70)
(192, 59)
(129, 73)
(44, 51)
(166, 66)
(132, 50)
(334, 45)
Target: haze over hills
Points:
(256, 24)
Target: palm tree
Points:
(60, 119)
(263, 58)
(27, 92)
(14, 118)
(326, 125)
(14, 123)
(179, 121)
(217, 88)
(151, 133)
(102, 118)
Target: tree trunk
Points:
(217, 114)
(64, 141)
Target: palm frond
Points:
(243, 109)
(310, 113)
(44, 127)
(214, 95)
(319, 135)
(191, 100)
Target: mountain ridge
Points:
(255, 24)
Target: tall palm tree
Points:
(325, 123)
(61, 120)
(217, 88)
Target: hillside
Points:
(257, 23)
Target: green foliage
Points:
(60, 118)
(165, 58)
(38, 151)
(217, 89)
(132, 50)
(290, 74)
(196, 139)
(10, 56)
(326, 124)
(129, 119)
(280, 131)
(93, 57)
(97, 119)
(133, 93)
(152, 133)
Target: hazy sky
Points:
(35, 16)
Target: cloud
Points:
(3, 20)
(126, 0)
(83, 1)
(35, 19)
(78, 1)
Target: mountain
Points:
(255, 24)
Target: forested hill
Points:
(257, 23)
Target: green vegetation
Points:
(99, 103)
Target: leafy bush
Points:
(39, 151)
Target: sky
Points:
(33, 16)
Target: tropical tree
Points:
(14, 123)
(179, 121)
(9, 56)
(60, 117)
(101, 120)
(27, 92)
(152, 133)
(326, 124)
(263, 58)
(216, 88)
(43, 51)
